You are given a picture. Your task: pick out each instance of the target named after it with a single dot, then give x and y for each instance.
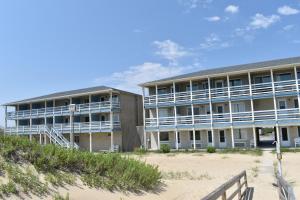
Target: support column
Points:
(53, 120)
(157, 118)
(5, 121)
(211, 113)
(252, 110)
(40, 138)
(275, 106)
(297, 86)
(175, 115)
(193, 114)
(144, 120)
(90, 123)
(111, 123)
(30, 122)
(17, 121)
(91, 142)
(230, 112)
(71, 136)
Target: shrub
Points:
(211, 149)
(164, 148)
(140, 150)
(110, 171)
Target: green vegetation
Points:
(255, 152)
(60, 166)
(140, 151)
(164, 148)
(288, 150)
(211, 150)
(59, 197)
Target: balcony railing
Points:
(79, 127)
(261, 89)
(221, 118)
(63, 110)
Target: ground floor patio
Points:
(250, 137)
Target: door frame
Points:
(209, 143)
(288, 142)
(222, 144)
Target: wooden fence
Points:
(285, 190)
(241, 192)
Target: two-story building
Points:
(103, 118)
(224, 107)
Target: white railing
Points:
(63, 110)
(79, 127)
(199, 95)
(165, 98)
(262, 115)
(262, 88)
(241, 90)
(285, 86)
(219, 92)
(183, 96)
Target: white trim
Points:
(222, 144)
(286, 143)
(281, 100)
(221, 74)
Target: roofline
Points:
(153, 83)
(65, 96)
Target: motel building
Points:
(249, 105)
(101, 119)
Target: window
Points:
(102, 118)
(239, 134)
(296, 104)
(219, 84)
(196, 111)
(86, 119)
(178, 137)
(235, 82)
(209, 136)
(205, 85)
(220, 109)
(197, 135)
(164, 136)
(298, 131)
(262, 79)
(238, 107)
(162, 90)
(284, 77)
(222, 136)
(76, 138)
(284, 134)
(282, 104)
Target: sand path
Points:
(263, 183)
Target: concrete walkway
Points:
(263, 183)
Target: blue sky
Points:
(57, 45)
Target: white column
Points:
(45, 117)
(175, 115)
(297, 86)
(5, 123)
(211, 113)
(17, 122)
(275, 108)
(91, 142)
(157, 118)
(40, 138)
(53, 120)
(144, 120)
(230, 112)
(71, 122)
(111, 123)
(158, 139)
(252, 110)
(193, 114)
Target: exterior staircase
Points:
(57, 138)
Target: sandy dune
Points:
(192, 176)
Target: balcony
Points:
(242, 92)
(94, 107)
(223, 120)
(85, 127)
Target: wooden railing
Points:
(285, 190)
(242, 191)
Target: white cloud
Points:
(232, 9)
(296, 41)
(288, 27)
(213, 41)
(137, 30)
(261, 21)
(170, 50)
(192, 4)
(287, 10)
(213, 18)
(129, 79)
